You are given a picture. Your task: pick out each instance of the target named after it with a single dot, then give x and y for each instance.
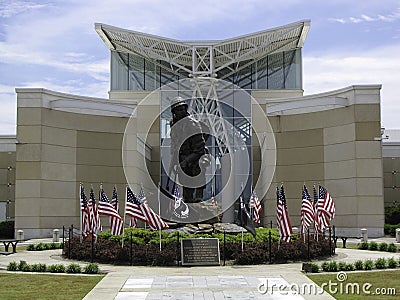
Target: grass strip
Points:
(38, 286)
(383, 285)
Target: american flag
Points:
(95, 224)
(255, 204)
(107, 209)
(283, 221)
(325, 210)
(114, 200)
(307, 210)
(137, 209)
(114, 221)
(85, 222)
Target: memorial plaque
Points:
(200, 252)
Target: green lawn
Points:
(35, 286)
(382, 280)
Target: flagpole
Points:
(242, 240)
(123, 231)
(159, 210)
(80, 209)
(145, 223)
(251, 204)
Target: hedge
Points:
(145, 248)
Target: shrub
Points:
(363, 246)
(392, 248)
(380, 263)
(373, 246)
(38, 268)
(359, 265)
(325, 266)
(22, 265)
(39, 247)
(383, 247)
(342, 266)
(368, 264)
(332, 267)
(391, 229)
(314, 268)
(30, 247)
(392, 263)
(349, 267)
(145, 246)
(42, 267)
(73, 268)
(53, 246)
(91, 268)
(58, 268)
(7, 229)
(12, 266)
(392, 214)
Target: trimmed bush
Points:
(30, 247)
(91, 268)
(368, 264)
(73, 269)
(392, 248)
(22, 265)
(391, 229)
(342, 266)
(53, 246)
(145, 246)
(39, 247)
(380, 263)
(373, 246)
(314, 268)
(392, 263)
(383, 247)
(325, 266)
(359, 265)
(363, 246)
(12, 266)
(38, 268)
(333, 267)
(349, 267)
(392, 214)
(58, 268)
(7, 229)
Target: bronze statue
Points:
(189, 154)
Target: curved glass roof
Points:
(206, 58)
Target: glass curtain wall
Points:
(280, 70)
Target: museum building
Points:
(265, 132)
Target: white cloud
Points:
(379, 66)
(367, 18)
(11, 8)
(392, 17)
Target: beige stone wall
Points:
(57, 150)
(391, 172)
(334, 145)
(339, 149)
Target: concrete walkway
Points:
(277, 281)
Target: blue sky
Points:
(53, 44)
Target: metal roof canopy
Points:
(205, 58)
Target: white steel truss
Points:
(205, 58)
(205, 104)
